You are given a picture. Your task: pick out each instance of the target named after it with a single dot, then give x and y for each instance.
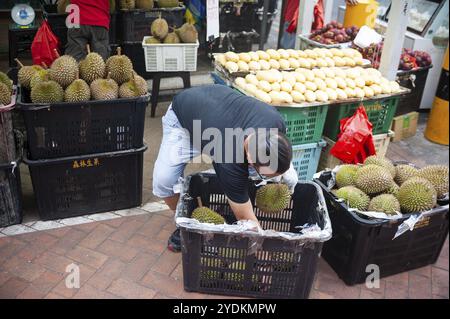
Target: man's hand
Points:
(352, 2)
(290, 178)
(243, 211)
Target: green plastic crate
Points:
(305, 159)
(381, 112)
(304, 124)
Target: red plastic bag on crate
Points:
(355, 142)
(44, 44)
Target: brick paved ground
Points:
(126, 257)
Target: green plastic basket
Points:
(381, 112)
(304, 124)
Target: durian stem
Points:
(57, 53)
(19, 63)
(44, 65)
(199, 201)
(108, 76)
(88, 48)
(119, 51)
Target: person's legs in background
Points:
(99, 40)
(288, 39)
(77, 39)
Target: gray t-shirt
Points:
(221, 109)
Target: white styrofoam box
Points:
(163, 57)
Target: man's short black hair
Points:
(270, 144)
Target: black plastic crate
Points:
(10, 194)
(414, 80)
(134, 25)
(358, 242)
(71, 129)
(135, 52)
(57, 22)
(229, 264)
(74, 186)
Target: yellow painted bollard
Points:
(364, 13)
(437, 129)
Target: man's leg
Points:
(100, 41)
(77, 38)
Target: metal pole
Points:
(262, 35)
(393, 44)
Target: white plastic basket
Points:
(380, 141)
(170, 57)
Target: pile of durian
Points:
(317, 85)
(289, 59)
(379, 186)
(91, 79)
(187, 33)
(6, 87)
(147, 4)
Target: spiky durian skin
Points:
(134, 88)
(393, 190)
(39, 76)
(172, 37)
(120, 68)
(104, 89)
(152, 40)
(417, 194)
(26, 73)
(380, 161)
(5, 94)
(159, 28)
(144, 4)
(404, 172)
(206, 215)
(47, 92)
(345, 176)
(273, 198)
(92, 67)
(64, 70)
(353, 197)
(187, 33)
(373, 179)
(438, 176)
(6, 80)
(78, 91)
(168, 3)
(385, 203)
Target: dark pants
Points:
(97, 37)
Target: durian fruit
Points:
(47, 92)
(353, 197)
(26, 73)
(404, 172)
(168, 3)
(393, 190)
(144, 4)
(273, 198)
(159, 28)
(64, 70)
(39, 76)
(373, 179)
(152, 40)
(172, 37)
(187, 33)
(61, 6)
(345, 176)
(5, 94)
(417, 194)
(6, 80)
(206, 215)
(104, 89)
(92, 67)
(78, 91)
(385, 203)
(119, 67)
(137, 86)
(438, 176)
(380, 161)
(127, 4)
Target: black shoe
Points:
(174, 242)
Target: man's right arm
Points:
(243, 211)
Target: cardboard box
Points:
(405, 126)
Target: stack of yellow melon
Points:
(289, 59)
(317, 85)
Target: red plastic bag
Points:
(355, 142)
(44, 44)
